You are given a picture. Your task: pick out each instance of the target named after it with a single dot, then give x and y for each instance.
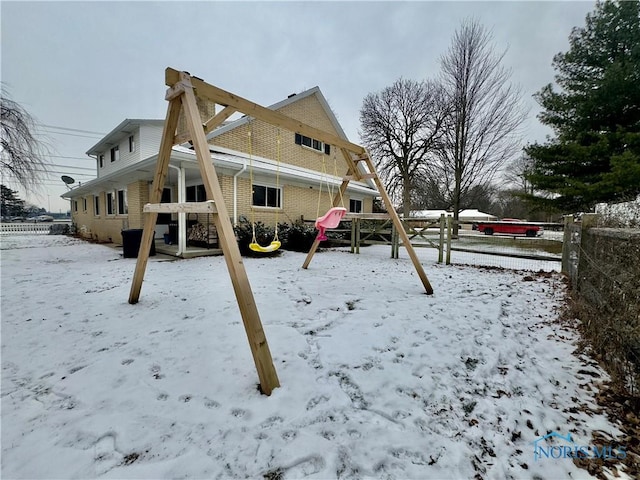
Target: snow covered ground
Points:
(378, 379)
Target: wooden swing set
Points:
(182, 95)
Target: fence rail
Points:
(466, 246)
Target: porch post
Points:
(182, 216)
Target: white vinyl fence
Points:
(25, 228)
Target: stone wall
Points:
(606, 290)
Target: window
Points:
(122, 202)
(132, 144)
(115, 153)
(84, 204)
(355, 206)
(264, 196)
(111, 204)
(313, 143)
(75, 205)
(196, 193)
(101, 160)
(96, 205)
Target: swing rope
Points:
(332, 218)
(275, 243)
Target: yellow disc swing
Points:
(275, 243)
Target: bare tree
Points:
(486, 112)
(400, 127)
(22, 157)
(516, 174)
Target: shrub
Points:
(244, 236)
(297, 237)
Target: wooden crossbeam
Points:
(185, 207)
(212, 123)
(222, 97)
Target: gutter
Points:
(235, 192)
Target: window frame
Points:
(101, 160)
(196, 193)
(312, 144)
(122, 205)
(353, 201)
(278, 196)
(115, 153)
(96, 205)
(110, 204)
(132, 144)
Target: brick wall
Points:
(264, 139)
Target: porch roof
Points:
(226, 161)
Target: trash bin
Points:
(131, 240)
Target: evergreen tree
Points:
(595, 155)
(10, 204)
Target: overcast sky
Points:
(89, 65)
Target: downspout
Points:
(182, 224)
(235, 192)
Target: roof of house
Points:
(129, 125)
(225, 159)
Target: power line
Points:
(69, 134)
(73, 129)
(70, 166)
(72, 158)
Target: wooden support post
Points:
(403, 235)
(164, 155)
(227, 239)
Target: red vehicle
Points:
(510, 226)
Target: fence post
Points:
(353, 235)
(357, 235)
(395, 242)
(441, 244)
(566, 243)
(449, 225)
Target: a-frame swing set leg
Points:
(182, 92)
(392, 214)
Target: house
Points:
(266, 174)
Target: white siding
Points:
(109, 166)
(149, 140)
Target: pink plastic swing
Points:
(331, 219)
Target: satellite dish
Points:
(67, 179)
